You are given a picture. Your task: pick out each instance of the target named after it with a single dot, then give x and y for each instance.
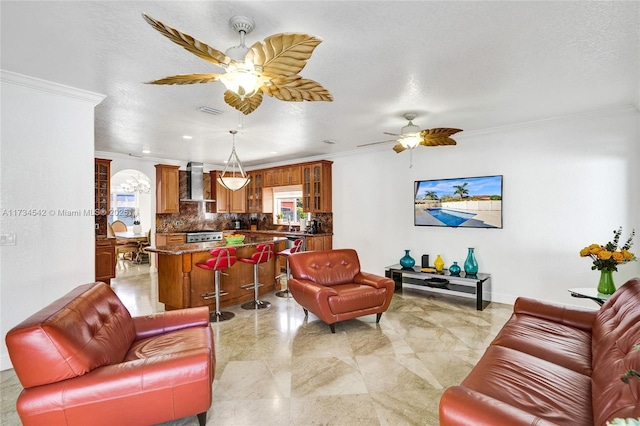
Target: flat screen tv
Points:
(472, 202)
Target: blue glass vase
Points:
(471, 265)
(407, 261)
(454, 269)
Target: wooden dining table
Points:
(131, 237)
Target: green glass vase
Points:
(606, 285)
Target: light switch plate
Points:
(8, 239)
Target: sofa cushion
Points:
(85, 329)
(170, 343)
(538, 387)
(616, 332)
(561, 344)
(355, 297)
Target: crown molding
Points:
(33, 83)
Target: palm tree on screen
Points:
(461, 190)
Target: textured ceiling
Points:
(470, 65)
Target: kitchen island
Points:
(181, 283)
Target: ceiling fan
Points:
(411, 136)
(270, 67)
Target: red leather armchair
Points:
(83, 360)
(331, 285)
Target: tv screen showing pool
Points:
(473, 202)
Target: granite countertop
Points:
(285, 233)
(264, 231)
(177, 250)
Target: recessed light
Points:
(273, 152)
(146, 151)
(187, 137)
(329, 141)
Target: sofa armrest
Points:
(373, 280)
(461, 406)
(581, 318)
(163, 322)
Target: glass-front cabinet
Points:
(316, 187)
(254, 192)
(102, 186)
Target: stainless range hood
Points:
(195, 183)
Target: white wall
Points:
(567, 183)
(47, 167)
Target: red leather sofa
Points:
(83, 360)
(331, 285)
(555, 365)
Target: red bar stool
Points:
(263, 254)
(297, 246)
(223, 258)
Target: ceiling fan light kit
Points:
(270, 67)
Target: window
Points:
(288, 204)
(123, 207)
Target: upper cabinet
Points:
(227, 201)
(316, 187)
(167, 189)
(102, 177)
(283, 176)
(254, 192)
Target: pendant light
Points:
(236, 178)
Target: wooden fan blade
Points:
(198, 48)
(437, 141)
(297, 89)
(283, 55)
(440, 131)
(246, 105)
(187, 79)
(375, 143)
(398, 148)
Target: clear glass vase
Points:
(606, 285)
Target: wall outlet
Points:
(9, 239)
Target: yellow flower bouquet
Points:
(606, 259)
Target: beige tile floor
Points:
(274, 367)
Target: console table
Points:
(476, 286)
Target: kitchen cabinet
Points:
(227, 201)
(318, 243)
(170, 239)
(167, 189)
(292, 175)
(283, 176)
(105, 259)
(316, 187)
(102, 182)
(254, 192)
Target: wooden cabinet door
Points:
(254, 193)
(316, 187)
(295, 175)
(238, 201)
(228, 201)
(102, 179)
(105, 259)
(167, 189)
